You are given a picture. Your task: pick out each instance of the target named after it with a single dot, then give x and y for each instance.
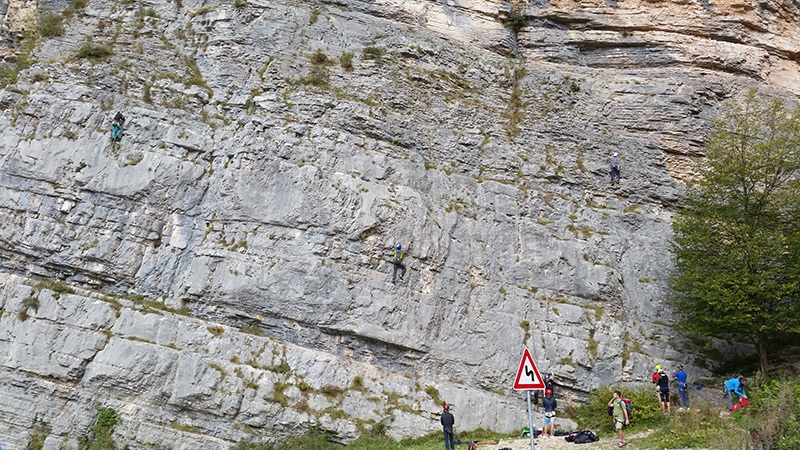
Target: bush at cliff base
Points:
(705, 426)
(646, 411)
(773, 416)
(771, 420)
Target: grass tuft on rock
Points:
(95, 52)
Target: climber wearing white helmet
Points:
(613, 162)
(661, 380)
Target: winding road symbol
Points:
(528, 375)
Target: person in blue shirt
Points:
(735, 386)
(683, 391)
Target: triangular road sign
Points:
(528, 375)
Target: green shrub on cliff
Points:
(100, 436)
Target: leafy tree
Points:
(737, 242)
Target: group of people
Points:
(661, 380)
(733, 386)
(548, 402)
(618, 407)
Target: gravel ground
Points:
(556, 443)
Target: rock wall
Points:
(168, 374)
(273, 154)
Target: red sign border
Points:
(529, 386)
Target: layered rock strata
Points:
(274, 152)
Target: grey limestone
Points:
(222, 273)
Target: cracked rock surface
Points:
(222, 272)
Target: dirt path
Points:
(557, 443)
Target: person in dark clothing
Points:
(550, 404)
(613, 162)
(397, 259)
(116, 126)
(447, 426)
(663, 391)
(548, 384)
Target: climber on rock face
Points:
(613, 162)
(116, 126)
(397, 259)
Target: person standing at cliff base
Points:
(683, 390)
(620, 414)
(447, 426)
(550, 405)
(662, 380)
(548, 384)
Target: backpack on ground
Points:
(582, 437)
(472, 446)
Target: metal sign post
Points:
(530, 420)
(528, 378)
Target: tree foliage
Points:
(736, 242)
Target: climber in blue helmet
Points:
(397, 259)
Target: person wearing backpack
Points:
(397, 259)
(620, 414)
(550, 404)
(116, 126)
(448, 421)
(683, 390)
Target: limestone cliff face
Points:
(222, 272)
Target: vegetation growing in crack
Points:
(100, 434)
(515, 112)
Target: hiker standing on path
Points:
(447, 426)
(550, 404)
(620, 413)
(397, 259)
(683, 390)
(613, 162)
(735, 386)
